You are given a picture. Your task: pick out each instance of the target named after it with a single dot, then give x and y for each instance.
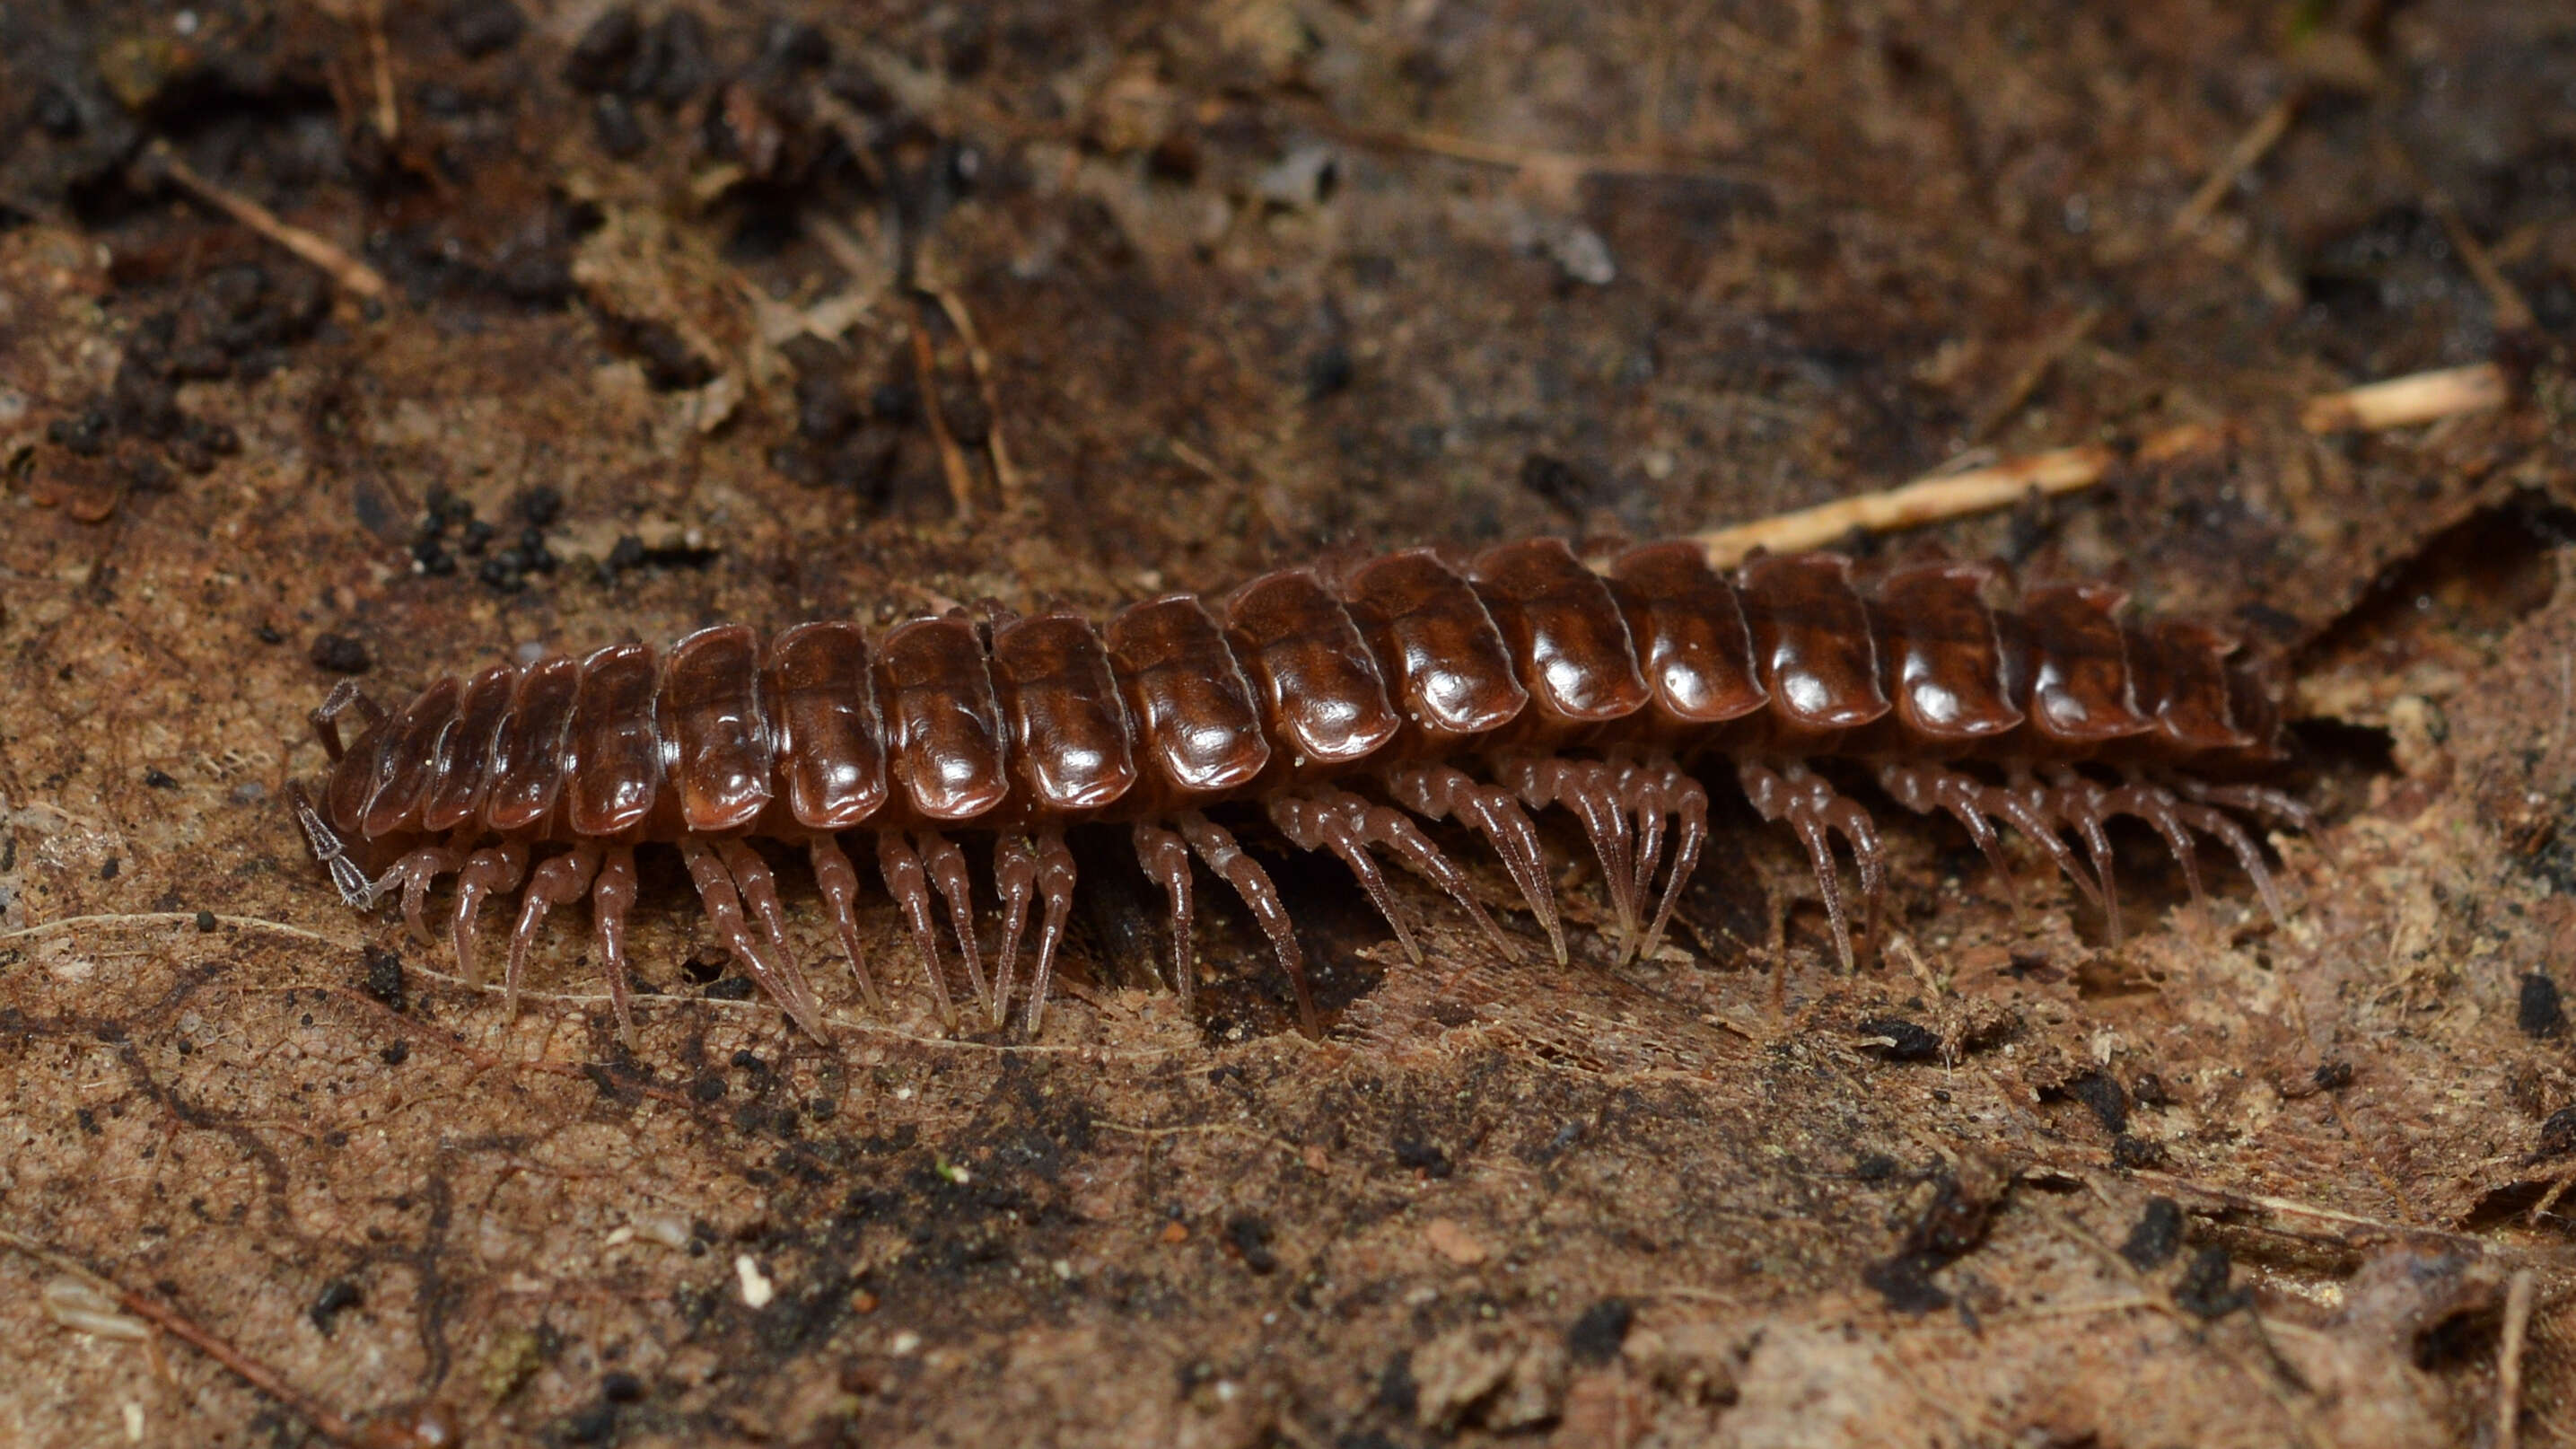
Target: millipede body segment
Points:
(1346, 708)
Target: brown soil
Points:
(810, 310)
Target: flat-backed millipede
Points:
(1344, 707)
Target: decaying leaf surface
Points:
(810, 312)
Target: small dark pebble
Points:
(477, 536)
(109, 870)
(338, 1296)
(710, 1088)
(2333, 1076)
(1898, 1040)
(340, 654)
(396, 1052)
(206, 922)
(502, 572)
(159, 780)
(2100, 1092)
(2203, 1290)
(2558, 1133)
(614, 122)
(2158, 1235)
(732, 988)
(2149, 1090)
(592, 1425)
(750, 1062)
(1251, 1238)
(621, 1388)
(599, 59)
(2540, 1012)
(268, 634)
(479, 27)
(1425, 1156)
(1875, 1167)
(1595, 1337)
(626, 553)
(383, 977)
(2130, 1152)
(541, 505)
(1328, 371)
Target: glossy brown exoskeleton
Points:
(1345, 707)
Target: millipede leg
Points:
(558, 880)
(1591, 790)
(494, 868)
(1812, 809)
(1385, 825)
(715, 886)
(1926, 788)
(2248, 855)
(328, 848)
(2259, 800)
(1026, 873)
(1055, 882)
(2026, 806)
(1312, 824)
(420, 869)
(1166, 860)
(612, 895)
(1015, 876)
(2077, 801)
(1218, 848)
(839, 881)
(1436, 792)
(911, 891)
(344, 697)
(1656, 788)
(2161, 811)
(759, 887)
(946, 866)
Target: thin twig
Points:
(2034, 372)
(2399, 402)
(2517, 1328)
(954, 307)
(2258, 140)
(952, 459)
(2512, 313)
(381, 63)
(1516, 158)
(171, 1321)
(1926, 500)
(172, 918)
(352, 274)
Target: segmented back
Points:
(1571, 686)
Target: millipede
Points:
(1348, 707)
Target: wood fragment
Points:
(2034, 372)
(352, 274)
(953, 307)
(1939, 497)
(2517, 1330)
(952, 459)
(171, 1321)
(2400, 402)
(381, 64)
(2257, 142)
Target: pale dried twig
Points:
(953, 307)
(2517, 1328)
(169, 1320)
(351, 273)
(2398, 402)
(2421, 397)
